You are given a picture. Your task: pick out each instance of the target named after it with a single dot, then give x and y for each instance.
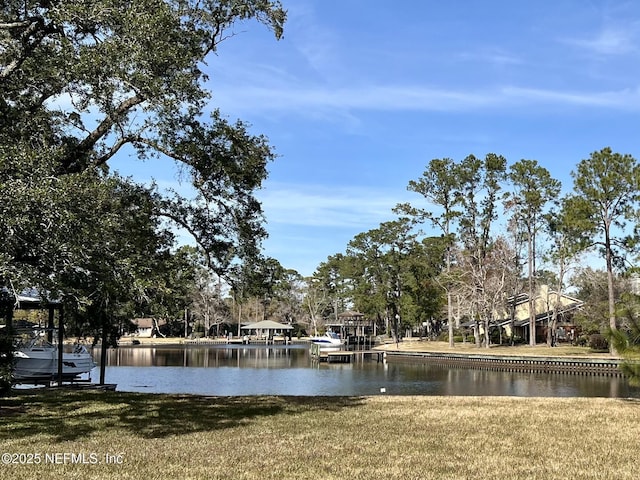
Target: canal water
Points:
(233, 370)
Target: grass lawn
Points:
(150, 436)
(563, 350)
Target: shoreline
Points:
(564, 359)
(411, 346)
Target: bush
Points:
(598, 342)
(6, 364)
(199, 327)
(457, 338)
(581, 341)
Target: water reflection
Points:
(279, 370)
(214, 356)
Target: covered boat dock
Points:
(267, 330)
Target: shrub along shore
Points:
(66, 433)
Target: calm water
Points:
(278, 370)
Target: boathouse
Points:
(352, 324)
(27, 301)
(267, 329)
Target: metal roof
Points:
(267, 325)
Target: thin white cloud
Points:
(322, 206)
(319, 101)
(492, 55)
(610, 40)
(625, 99)
(320, 46)
(311, 101)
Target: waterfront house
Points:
(147, 327)
(515, 314)
(544, 303)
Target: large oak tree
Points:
(82, 82)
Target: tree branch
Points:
(114, 149)
(194, 234)
(83, 148)
(89, 142)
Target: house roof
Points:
(147, 322)
(29, 299)
(543, 303)
(544, 316)
(267, 325)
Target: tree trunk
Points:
(612, 300)
(103, 349)
(487, 337)
(512, 321)
(450, 318)
(60, 345)
(476, 333)
(532, 307)
(551, 329)
(449, 305)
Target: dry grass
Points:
(193, 437)
(518, 350)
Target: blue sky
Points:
(361, 94)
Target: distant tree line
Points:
(497, 225)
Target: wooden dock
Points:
(244, 341)
(344, 356)
(76, 383)
(341, 356)
(111, 387)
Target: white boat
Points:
(37, 359)
(329, 339)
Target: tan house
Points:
(516, 314)
(544, 303)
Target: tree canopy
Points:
(607, 196)
(81, 82)
(485, 213)
(84, 82)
